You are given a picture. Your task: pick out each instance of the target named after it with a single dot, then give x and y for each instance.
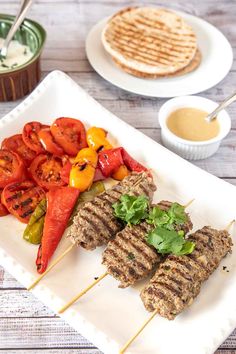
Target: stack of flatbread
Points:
(151, 42)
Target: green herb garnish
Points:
(25, 51)
(5, 66)
(175, 215)
(131, 256)
(169, 241)
(131, 209)
(14, 65)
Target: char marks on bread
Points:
(150, 42)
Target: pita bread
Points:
(151, 42)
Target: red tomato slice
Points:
(21, 199)
(31, 138)
(16, 144)
(11, 167)
(45, 170)
(70, 134)
(46, 139)
(3, 209)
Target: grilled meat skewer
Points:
(95, 223)
(129, 258)
(178, 280)
(117, 256)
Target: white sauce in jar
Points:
(17, 55)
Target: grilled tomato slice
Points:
(46, 170)
(70, 134)
(11, 167)
(3, 209)
(48, 142)
(16, 144)
(21, 199)
(31, 137)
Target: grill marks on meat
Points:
(128, 257)
(95, 223)
(179, 278)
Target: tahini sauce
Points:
(190, 124)
(17, 55)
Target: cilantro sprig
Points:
(175, 215)
(169, 241)
(131, 209)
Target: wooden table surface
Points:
(26, 325)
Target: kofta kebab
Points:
(52, 178)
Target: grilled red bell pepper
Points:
(110, 160)
(65, 172)
(98, 175)
(60, 204)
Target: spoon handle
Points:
(223, 105)
(25, 5)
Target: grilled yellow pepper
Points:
(83, 169)
(96, 139)
(121, 173)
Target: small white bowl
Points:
(192, 150)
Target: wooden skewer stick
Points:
(229, 225)
(72, 301)
(123, 349)
(130, 341)
(189, 203)
(77, 297)
(57, 260)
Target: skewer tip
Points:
(230, 224)
(189, 203)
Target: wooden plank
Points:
(51, 333)
(39, 333)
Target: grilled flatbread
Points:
(194, 64)
(150, 42)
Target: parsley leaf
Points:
(169, 241)
(131, 209)
(175, 215)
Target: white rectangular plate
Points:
(107, 315)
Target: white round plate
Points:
(217, 58)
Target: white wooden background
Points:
(26, 325)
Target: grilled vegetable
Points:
(45, 170)
(65, 172)
(96, 189)
(83, 169)
(96, 139)
(109, 161)
(3, 209)
(21, 199)
(70, 134)
(16, 144)
(34, 230)
(11, 168)
(121, 173)
(31, 137)
(46, 139)
(60, 204)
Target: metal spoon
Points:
(224, 104)
(25, 5)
